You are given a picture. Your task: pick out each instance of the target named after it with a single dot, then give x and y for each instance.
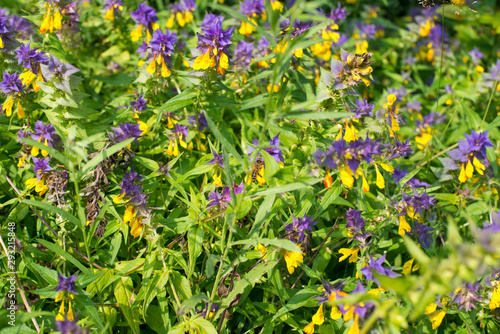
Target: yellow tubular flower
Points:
(495, 299)
(462, 177)
(7, 106)
(319, 318)
(276, 5)
(479, 166)
(20, 111)
(136, 33)
(403, 226)
(469, 170)
(309, 329)
(262, 249)
(430, 308)
(437, 318)
(292, 260)
(355, 326)
(352, 253)
(60, 314)
(346, 175)
(217, 180)
(136, 227)
(1, 43)
(407, 267)
(380, 179)
(328, 181)
(129, 214)
(335, 313)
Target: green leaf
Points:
(223, 140)
(191, 303)
(298, 300)
(53, 209)
(52, 151)
(279, 243)
(249, 279)
(61, 252)
(408, 177)
(271, 165)
(195, 244)
(262, 214)
(287, 187)
(101, 156)
(309, 115)
(124, 296)
(205, 326)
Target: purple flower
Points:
(467, 296)
(363, 108)
(376, 266)
(11, 84)
(217, 160)
(301, 27)
(274, 151)
(366, 30)
(362, 308)
(252, 7)
(219, 199)
(214, 44)
(45, 133)
(66, 284)
(30, 58)
(163, 43)
(68, 327)
(415, 106)
(125, 131)
(184, 6)
(338, 14)
(243, 54)
(41, 166)
(132, 189)
(144, 15)
(423, 233)
(400, 149)
(209, 19)
(412, 183)
(494, 226)
(6, 32)
(476, 55)
(296, 229)
(202, 121)
(58, 72)
(140, 104)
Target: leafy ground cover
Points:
(250, 167)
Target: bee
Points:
(256, 170)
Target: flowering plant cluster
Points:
(251, 166)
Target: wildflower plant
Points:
(257, 166)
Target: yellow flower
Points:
(136, 33)
(495, 299)
(352, 253)
(136, 227)
(346, 175)
(309, 329)
(335, 313)
(380, 179)
(292, 260)
(7, 106)
(328, 181)
(436, 318)
(403, 226)
(262, 249)
(129, 214)
(217, 180)
(355, 327)
(319, 318)
(430, 308)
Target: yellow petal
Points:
(430, 308)
(495, 299)
(136, 33)
(479, 166)
(110, 14)
(224, 61)
(217, 180)
(365, 185)
(355, 327)
(170, 22)
(135, 227)
(165, 72)
(70, 316)
(386, 167)
(7, 106)
(319, 318)
(391, 98)
(462, 177)
(292, 260)
(118, 199)
(309, 329)
(152, 66)
(31, 183)
(469, 170)
(20, 110)
(57, 20)
(380, 179)
(349, 252)
(335, 313)
(436, 318)
(407, 266)
(129, 214)
(346, 177)
(403, 226)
